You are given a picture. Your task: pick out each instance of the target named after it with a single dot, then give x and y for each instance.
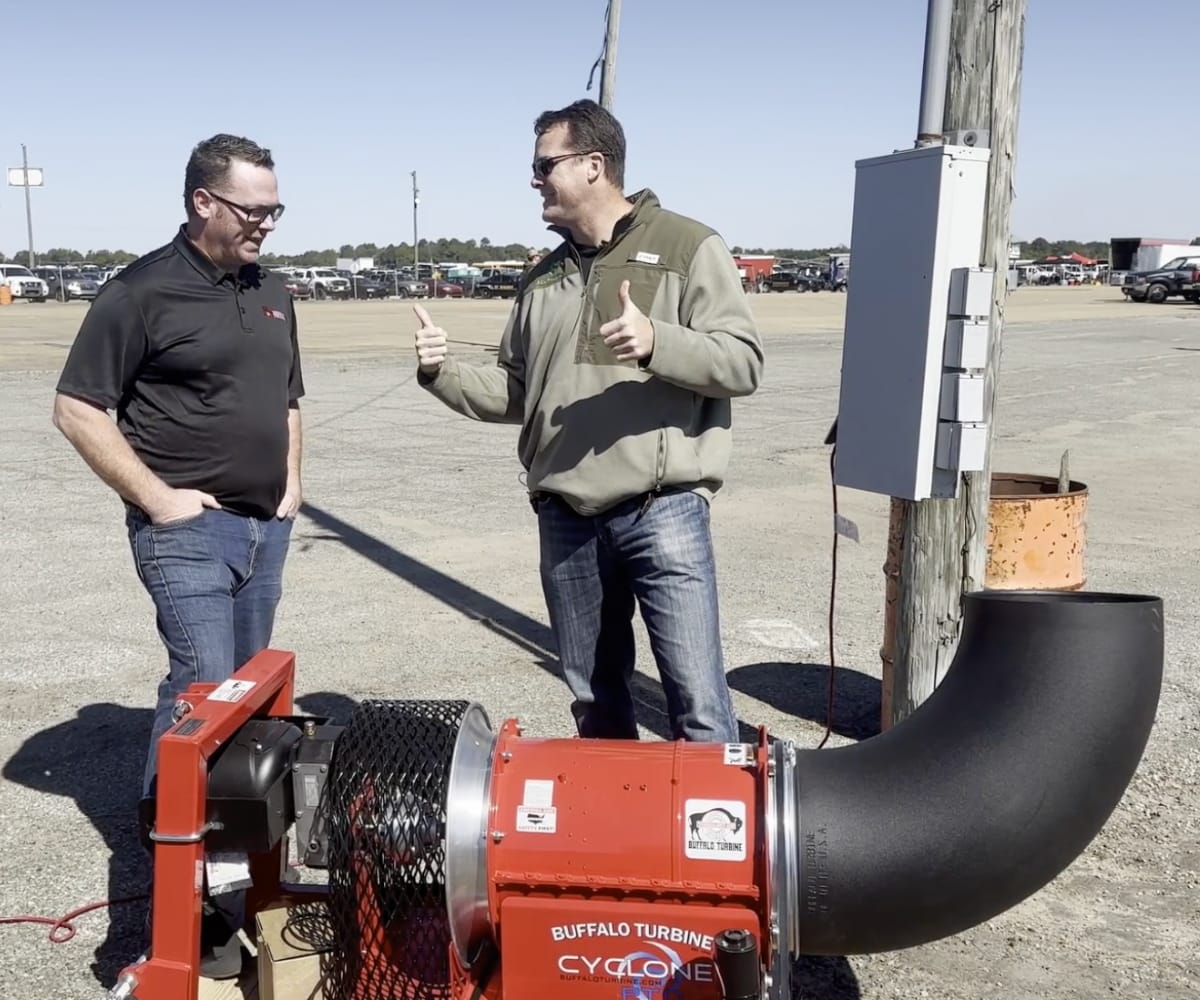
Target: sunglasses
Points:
(544, 164)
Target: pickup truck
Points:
(325, 282)
(787, 281)
(498, 285)
(1177, 277)
(23, 283)
(398, 285)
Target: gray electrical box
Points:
(916, 244)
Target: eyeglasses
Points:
(254, 216)
(544, 164)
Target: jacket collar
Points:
(644, 203)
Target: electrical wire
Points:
(62, 929)
(832, 596)
(66, 924)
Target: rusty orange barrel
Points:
(5, 295)
(1036, 535)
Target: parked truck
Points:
(1179, 276)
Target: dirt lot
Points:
(413, 575)
(37, 335)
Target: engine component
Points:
(249, 788)
(737, 965)
(310, 771)
(466, 863)
(249, 799)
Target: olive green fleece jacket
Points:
(595, 430)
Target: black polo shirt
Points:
(201, 367)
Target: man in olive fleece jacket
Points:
(620, 358)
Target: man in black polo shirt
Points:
(194, 347)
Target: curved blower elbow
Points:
(992, 787)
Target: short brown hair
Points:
(208, 166)
(590, 129)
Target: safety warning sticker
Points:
(537, 819)
(228, 871)
(232, 690)
(739, 754)
(714, 829)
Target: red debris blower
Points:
(467, 863)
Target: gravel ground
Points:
(413, 575)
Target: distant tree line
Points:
(62, 255)
(476, 251)
(1034, 249)
(461, 251)
(790, 253)
(399, 254)
(1041, 247)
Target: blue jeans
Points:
(594, 569)
(215, 580)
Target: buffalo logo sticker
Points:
(715, 829)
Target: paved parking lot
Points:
(414, 575)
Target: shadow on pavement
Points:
(527, 633)
(802, 690)
(97, 759)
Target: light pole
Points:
(416, 251)
(25, 177)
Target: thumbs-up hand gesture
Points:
(631, 335)
(430, 341)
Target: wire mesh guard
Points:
(386, 801)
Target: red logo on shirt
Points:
(273, 313)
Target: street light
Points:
(27, 177)
(416, 252)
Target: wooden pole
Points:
(608, 75)
(942, 544)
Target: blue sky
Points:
(352, 97)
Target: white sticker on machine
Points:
(714, 829)
(537, 819)
(538, 792)
(232, 690)
(739, 754)
(227, 871)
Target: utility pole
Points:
(416, 251)
(608, 75)
(938, 547)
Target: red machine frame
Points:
(524, 874)
(172, 972)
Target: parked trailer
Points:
(754, 269)
(1141, 253)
